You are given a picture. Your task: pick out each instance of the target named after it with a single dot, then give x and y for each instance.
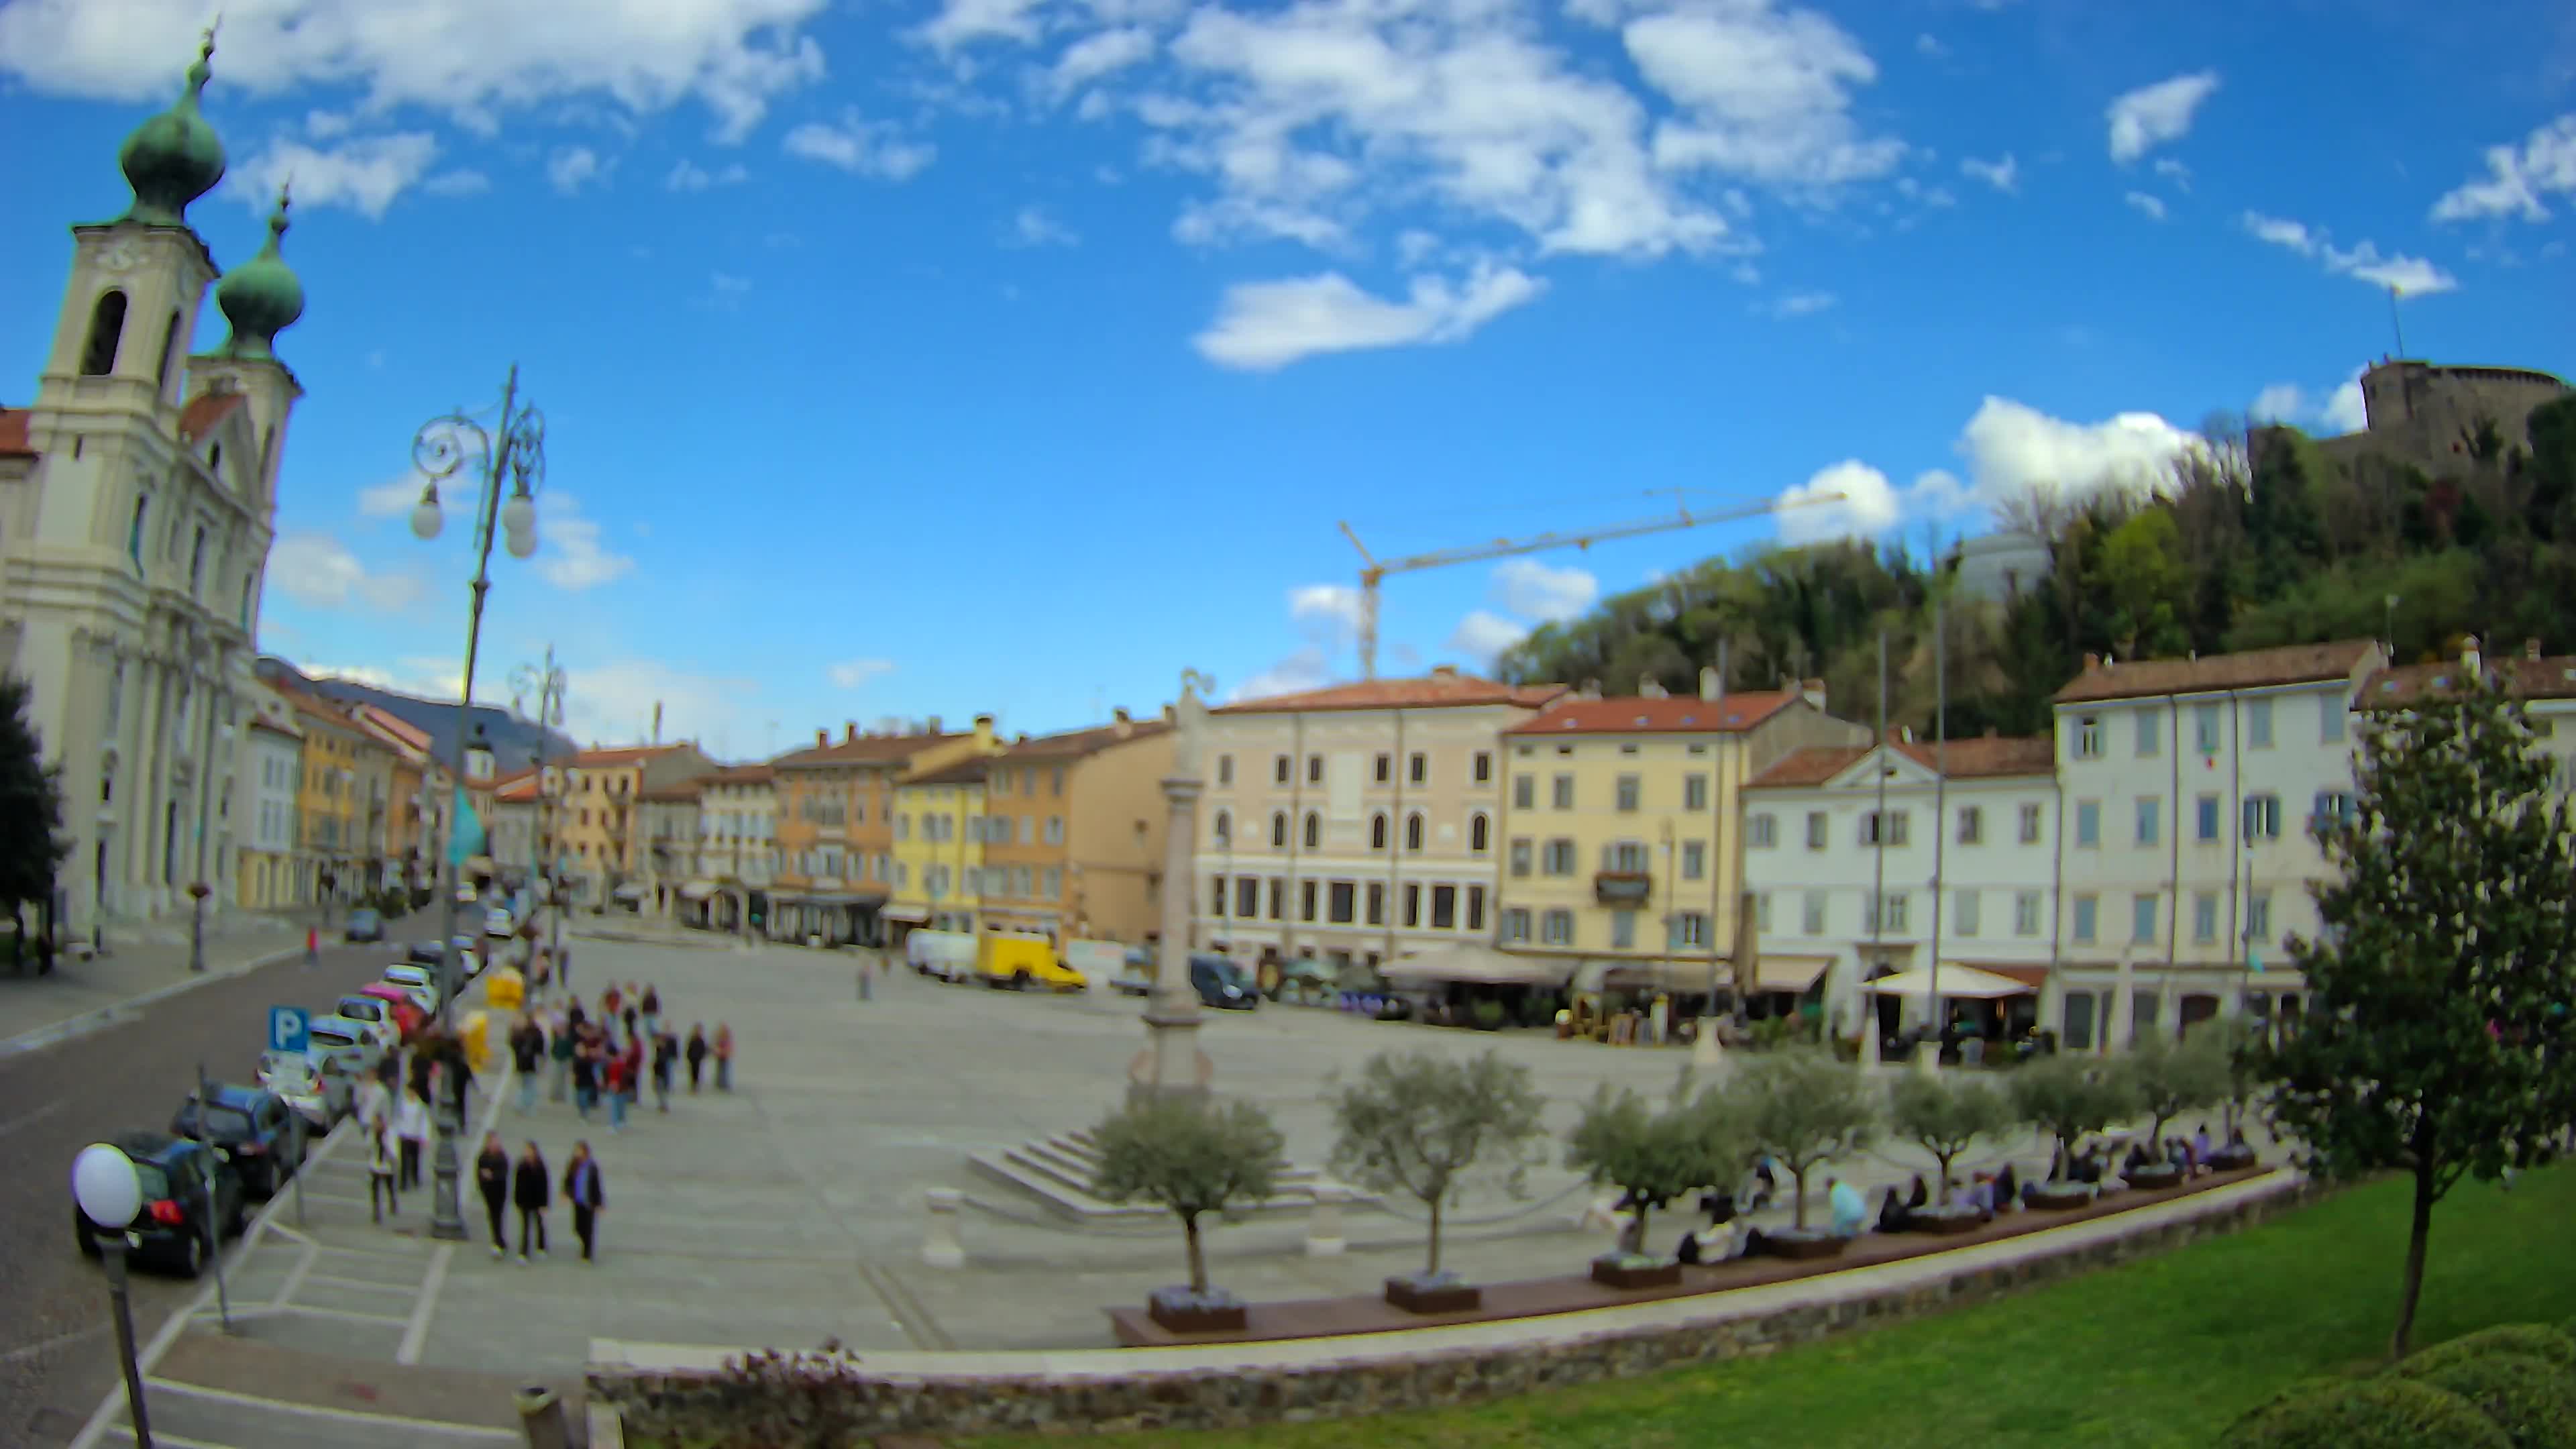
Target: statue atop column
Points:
(1190, 713)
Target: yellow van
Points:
(1020, 962)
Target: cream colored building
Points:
(1621, 828)
(264, 815)
(737, 856)
(1359, 822)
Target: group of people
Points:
(528, 1185)
(603, 1057)
(393, 1109)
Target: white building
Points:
(137, 496)
(2185, 856)
(1864, 861)
(263, 813)
(2000, 567)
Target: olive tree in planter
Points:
(1429, 1125)
(1192, 1158)
(1945, 1115)
(2170, 1079)
(2067, 1097)
(1804, 1109)
(1652, 1156)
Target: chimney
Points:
(1444, 671)
(1708, 683)
(930, 726)
(1813, 691)
(2469, 653)
(822, 738)
(1649, 688)
(983, 729)
(2531, 649)
(1171, 714)
(2092, 662)
(1591, 690)
(849, 731)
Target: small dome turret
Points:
(262, 297)
(175, 157)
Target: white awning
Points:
(905, 913)
(1963, 982)
(1472, 962)
(697, 890)
(1789, 973)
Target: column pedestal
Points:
(1324, 1229)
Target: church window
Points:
(215, 458)
(134, 534)
(106, 328)
(250, 591)
(197, 561)
(115, 694)
(169, 345)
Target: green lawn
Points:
(2157, 1353)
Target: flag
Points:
(466, 841)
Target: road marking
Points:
(346, 1315)
(338, 1415)
(31, 1118)
(295, 1277)
(425, 1306)
(57, 1341)
(377, 1284)
(173, 1440)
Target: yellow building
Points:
(1622, 827)
(329, 828)
(938, 847)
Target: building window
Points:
(2088, 737)
(1887, 828)
(1762, 831)
(197, 563)
(1964, 908)
(134, 530)
(2332, 807)
(1279, 830)
(1817, 825)
(1247, 897)
(1306, 891)
(2205, 823)
(1314, 830)
(1278, 897)
(1563, 793)
(1314, 769)
(1419, 768)
(1520, 854)
(1623, 930)
(1630, 788)
(1224, 830)
(1524, 792)
(1559, 858)
(106, 329)
(2258, 724)
(1475, 908)
(2204, 916)
(2330, 724)
(1279, 770)
(2087, 911)
(1484, 767)
(1377, 831)
(2150, 819)
(1444, 908)
(1385, 767)
(1624, 855)
(2148, 733)
(1225, 769)
(2088, 824)
(2262, 817)
(1811, 913)
(2204, 728)
(1516, 924)
(2026, 913)
(2030, 823)
(1413, 831)
(1377, 903)
(1219, 908)
(2258, 916)
(1884, 913)
(1479, 833)
(1055, 830)
(1412, 905)
(1695, 792)
(1557, 927)
(2142, 919)
(1694, 859)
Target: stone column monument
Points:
(1171, 1065)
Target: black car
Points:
(364, 924)
(423, 953)
(251, 1124)
(181, 1180)
(1222, 984)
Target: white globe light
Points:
(426, 519)
(522, 543)
(105, 1185)
(519, 515)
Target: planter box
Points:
(1798, 1246)
(1946, 1222)
(2061, 1195)
(1414, 1296)
(2232, 1159)
(1198, 1317)
(2154, 1177)
(1611, 1273)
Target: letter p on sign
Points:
(288, 1029)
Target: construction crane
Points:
(1373, 573)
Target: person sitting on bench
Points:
(2007, 1189)
(1893, 1214)
(1717, 1242)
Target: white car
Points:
(375, 1016)
(416, 983)
(498, 923)
(320, 1088)
(355, 1043)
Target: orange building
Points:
(1073, 832)
(835, 822)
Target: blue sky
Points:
(910, 360)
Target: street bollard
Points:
(940, 1245)
(541, 1417)
(1324, 1229)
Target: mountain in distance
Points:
(515, 743)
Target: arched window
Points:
(134, 532)
(197, 561)
(1479, 833)
(169, 346)
(106, 329)
(1224, 828)
(1413, 832)
(1279, 826)
(1314, 830)
(1377, 831)
(250, 592)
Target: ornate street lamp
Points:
(510, 455)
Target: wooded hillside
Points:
(2265, 537)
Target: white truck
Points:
(948, 955)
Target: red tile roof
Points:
(204, 411)
(1440, 689)
(968, 771)
(865, 750)
(1684, 714)
(1076, 744)
(13, 434)
(2251, 669)
(517, 785)
(740, 775)
(617, 757)
(2546, 677)
(1987, 757)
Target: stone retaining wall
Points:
(854, 1399)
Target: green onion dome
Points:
(175, 157)
(262, 296)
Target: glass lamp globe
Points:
(521, 543)
(426, 519)
(519, 515)
(105, 1185)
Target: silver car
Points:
(322, 1091)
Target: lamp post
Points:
(511, 454)
(110, 1193)
(546, 685)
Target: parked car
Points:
(409, 1017)
(376, 1014)
(364, 924)
(1222, 984)
(424, 953)
(249, 1123)
(1136, 975)
(352, 1045)
(181, 1179)
(320, 1088)
(1305, 979)
(499, 924)
(418, 982)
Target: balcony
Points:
(1623, 887)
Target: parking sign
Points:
(289, 1029)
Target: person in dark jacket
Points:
(527, 1057)
(531, 1191)
(492, 1175)
(588, 1195)
(697, 1056)
(666, 1060)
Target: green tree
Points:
(32, 846)
(1945, 1115)
(1652, 1155)
(1805, 1109)
(2141, 577)
(2069, 1095)
(1428, 1125)
(2443, 963)
(2171, 1078)
(1190, 1157)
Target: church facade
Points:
(137, 505)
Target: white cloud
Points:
(2003, 175)
(1305, 669)
(570, 553)
(2174, 171)
(861, 147)
(1331, 611)
(1930, 47)
(2339, 410)
(1866, 505)
(2010, 448)
(466, 58)
(1802, 304)
(614, 703)
(392, 498)
(364, 174)
(1328, 615)
(2150, 116)
(2152, 207)
(2282, 402)
(1095, 56)
(690, 176)
(962, 22)
(1767, 94)
(2345, 412)
(573, 167)
(457, 183)
(1262, 326)
(319, 572)
(1534, 590)
(1032, 227)
(2517, 179)
(726, 284)
(1482, 635)
(2410, 276)
(852, 673)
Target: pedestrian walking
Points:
(610, 1000)
(666, 1061)
(652, 1011)
(532, 1190)
(724, 1057)
(375, 1101)
(585, 1075)
(697, 1056)
(618, 1083)
(527, 1057)
(559, 1048)
(312, 948)
(382, 1187)
(492, 1175)
(587, 1194)
(411, 1128)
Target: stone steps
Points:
(1057, 1172)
